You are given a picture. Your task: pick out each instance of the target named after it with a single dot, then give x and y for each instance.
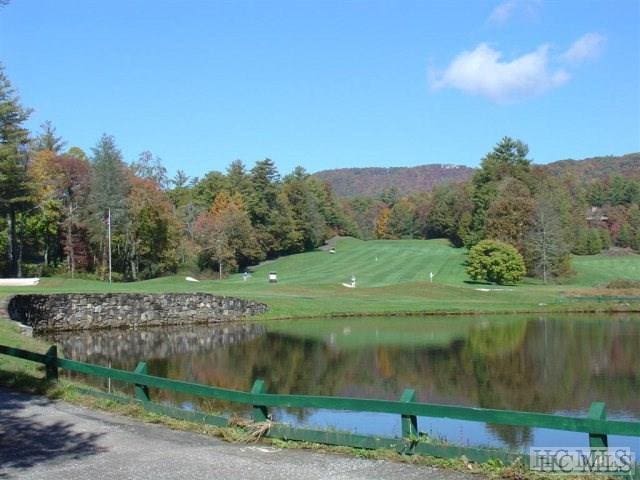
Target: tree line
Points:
(58, 204)
(545, 216)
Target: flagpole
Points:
(109, 229)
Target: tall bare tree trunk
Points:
(134, 262)
(103, 263)
(71, 260)
(9, 243)
(19, 261)
(12, 243)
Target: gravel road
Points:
(44, 439)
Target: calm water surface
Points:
(542, 364)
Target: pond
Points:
(551, 364)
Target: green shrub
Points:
(496, 262)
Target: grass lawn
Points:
(594, 270)
(17, 373)
(392, 277)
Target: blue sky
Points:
(329, 84)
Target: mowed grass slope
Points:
(392, 278)
(375, 263)
(597, 270)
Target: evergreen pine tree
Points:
(15, 192)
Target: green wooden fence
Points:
(595, 425)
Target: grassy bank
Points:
(16, 373)
(392, 277)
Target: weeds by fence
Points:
(595, 425)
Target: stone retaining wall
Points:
(75, 311)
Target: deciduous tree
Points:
(382, 223)
(510, 213)
(450, 213)
(546, 246)
(152, 230)
(402, 219)
(507, 160)
(150, 167)
(225, 236)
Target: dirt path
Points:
(44, 439)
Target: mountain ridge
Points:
(373, 181)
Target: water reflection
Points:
(533, 364)
(126, 347)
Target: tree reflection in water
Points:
(554, 364)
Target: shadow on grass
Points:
(477, 282)
(24, 382)
(28, 437)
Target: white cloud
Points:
(508, 9)
(502, 12)
(587, 47)
(483, 72)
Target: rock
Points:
(91, 311)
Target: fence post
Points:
(142, 391)
(51, 365)
(409, 422)
(260, 412)
(598, 411)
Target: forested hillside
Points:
(546, 213)
(70, 212)
(353, 182)
(597, 167)
(371, 182)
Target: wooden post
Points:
(260, 412)
(142, 391)
(409, 422)
(598, 411)
(51, 366)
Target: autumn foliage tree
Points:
(54, 206)
(504, 168)
(64, 185)
(510, 213)
(73, 176)
(225, 236)
(152, 230)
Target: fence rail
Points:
(595, 424)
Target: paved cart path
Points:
(44, 439)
